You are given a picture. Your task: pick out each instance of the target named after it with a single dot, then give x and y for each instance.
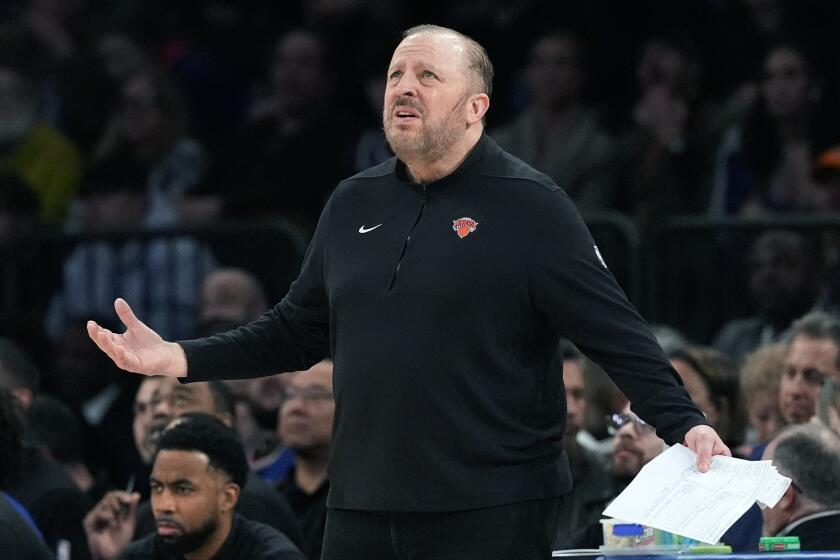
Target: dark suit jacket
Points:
(817, 531)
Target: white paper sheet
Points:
(671, 494)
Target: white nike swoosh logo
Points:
(363, 229)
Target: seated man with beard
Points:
(635, 444)
(198, 473)
(121, 517)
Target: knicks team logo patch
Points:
(464, 226)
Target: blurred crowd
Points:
(133, 117)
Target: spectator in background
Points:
(784, 283)
(810, 508)
(812, 356)
(231, 297)
(159, 401)
(198, 473)
(149, 132)
(711, 380)
(306, 421)
(603, 399)
(56, 429)
(558, 134)
(760, 378)
(163, 274)
(19, 536)
(635, 444)
(590, 478)
(46, 161)
(764, 165)
(281, 163)
(56, 504)
(663, 157)
(101, 399)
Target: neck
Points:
(311, 471)
(430, 171)
(212, 545)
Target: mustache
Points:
(628, 448)
(409, 102)
(169, 521)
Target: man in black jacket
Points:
(440, 282)
(197, 476)
(809, 454)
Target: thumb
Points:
(126, 315)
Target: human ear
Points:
(477, 107)
(229, 496)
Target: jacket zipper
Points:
(408, 238)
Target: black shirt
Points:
(311, 511)
(442, 306)
(248, 540)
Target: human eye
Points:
(428, 74)
(395, 74)
(155, 487)
(183, 489)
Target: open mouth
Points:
(156, 429)
(405, 114)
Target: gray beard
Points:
(433, 142)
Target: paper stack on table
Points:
(671, 494)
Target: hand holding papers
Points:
(671, 494)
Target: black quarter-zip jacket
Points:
(442, 342)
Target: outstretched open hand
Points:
(139, 349)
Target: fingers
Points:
(126, 315)
(107, 512)
(705, 442)
(112, 345)
(101, 339)
(704, 452)
(721, 448)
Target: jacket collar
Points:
(476, 155)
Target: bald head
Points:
(475, 58)
(233, 295)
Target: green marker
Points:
(710, 549)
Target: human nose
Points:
(161, 407)
(407, 86)
(627, 431)
(163, 502)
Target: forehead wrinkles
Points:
(438, 49)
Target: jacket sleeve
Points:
(292, 336)
(574, 291)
